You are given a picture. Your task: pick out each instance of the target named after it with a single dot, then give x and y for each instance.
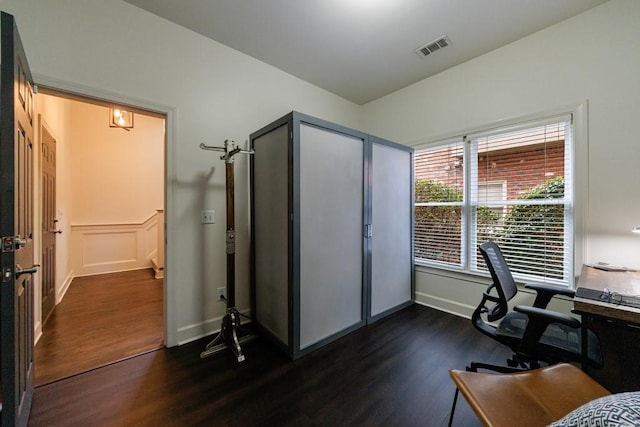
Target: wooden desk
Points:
(616, 326)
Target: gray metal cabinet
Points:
(331, 221)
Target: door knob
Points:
(21, 271)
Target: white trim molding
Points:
(108, 248)
(171, 123)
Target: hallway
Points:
(102, 319)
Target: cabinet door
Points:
(271, 225)
(391, 263)
(331, 233)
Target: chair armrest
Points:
(553, 289)
(547, 316)
(544, 293)
(539, 319)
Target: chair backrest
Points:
(500, 273)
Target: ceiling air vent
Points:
(432, 46)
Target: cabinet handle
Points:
(368, 230)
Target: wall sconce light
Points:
(119, 118)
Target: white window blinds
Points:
(439, 195)
(531, 219)
(512, 186)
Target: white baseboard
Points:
(193, 332)
(64, 288)
(448, 306)
(148, 267)
(37, 332)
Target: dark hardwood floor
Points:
(101, 319)
(391, 373)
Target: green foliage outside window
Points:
(520, 235)
(528, 227)
(428, 190)
(440, 227)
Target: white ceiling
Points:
(364, 49)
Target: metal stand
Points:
(228, 335)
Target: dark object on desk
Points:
(616, 325)
(592, 294)
(532, 398)
(608, 267)
(534, 334)
(608, 296)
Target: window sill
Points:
(477, 278)
(453, 273)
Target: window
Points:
(510, 185)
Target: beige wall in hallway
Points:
(117, 175)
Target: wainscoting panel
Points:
(108, 248)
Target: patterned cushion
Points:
(616, 410)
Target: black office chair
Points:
(534, 334)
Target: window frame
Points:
(578, 188)
(450, 142)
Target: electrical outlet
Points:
(222, 294)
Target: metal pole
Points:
(231, 237)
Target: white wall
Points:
(212, 92)
(595, 57)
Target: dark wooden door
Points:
(49, 221)
(16, 228)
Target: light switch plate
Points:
(208, 217)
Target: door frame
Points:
(170, 113)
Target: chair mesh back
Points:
(499, 270)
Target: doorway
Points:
(106, 221)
